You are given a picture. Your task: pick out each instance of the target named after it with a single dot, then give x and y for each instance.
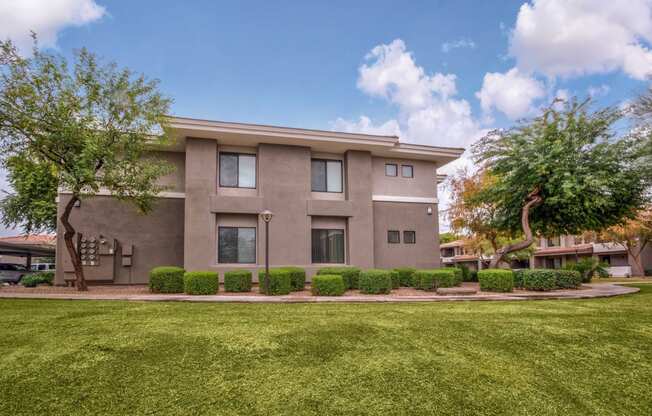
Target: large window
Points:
(236, 245)
(237, 170)
(327, 246)
(326, 175)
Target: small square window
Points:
(407, 171)
(409, 237)
(393, 237)
(391, 169)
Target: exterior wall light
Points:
(429, 210)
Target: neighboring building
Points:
(456, 254)
(337, 198)
(28, 250)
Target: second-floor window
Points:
(554, 241)
(326, 175)
(237, 170)
(407, 171)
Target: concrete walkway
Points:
(588, 291)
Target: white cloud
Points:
(512, 93)
(598, 91)
(572, 38)
(460, 43)
(427, 111)
(46, 18)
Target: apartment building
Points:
(336, 198)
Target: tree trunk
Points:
(637, 269)
(533, 199)
(68, 235)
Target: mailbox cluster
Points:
(89, 252)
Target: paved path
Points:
(588, 291)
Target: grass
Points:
(575, 357)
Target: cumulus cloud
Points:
(46, 18)
(512, 93)
(428, 112)
(456, 44)
(598, 91)
(572, 38)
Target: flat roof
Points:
(244, 134)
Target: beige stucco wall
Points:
(423, 184)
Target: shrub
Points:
(237, 281)
(466, 273)
(540, 279)
(406, 276)
(433, 279)
(280, 281)
(351, 275)
(328, 285)
(518, 277)
(496, 280)
(201, 283)
(375, 281)
(297, 277)
(32, 280)
(396, 279)
(568, 279)
(166, 279)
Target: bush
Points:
(328, 285)
(539, 279)
(396, 279)
(166, 279)
(568, 279)
(201, 283)
(32, 280)
(518, 277)
(466, 272)
(237, 281)
(297, 278)
(433, 279)
(406, 276)
(375, 281)
(496, 280)
(351, 275)
(280, 281)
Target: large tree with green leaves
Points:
(82, 128)
(563, 172)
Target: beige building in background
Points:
(337, 199)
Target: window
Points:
(237, 170)
(236, 245)
(327, 246)
(326, 175)
(409, 237)
(605, 259)
(554, 242)
(553, 263)
(391, 169)
(393, 237)
(407, 171)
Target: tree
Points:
(447, 237)
(635, 234)
(87, 126)
(562, 172)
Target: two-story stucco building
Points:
(337, 198)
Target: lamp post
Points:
(267, 217)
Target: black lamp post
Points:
(267, 217)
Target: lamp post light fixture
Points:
(267, 217)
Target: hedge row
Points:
(350, 275)
(548, 279)
(431, 280)
(328, 285)
(33, 280)
(496, 280)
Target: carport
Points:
(27, 250)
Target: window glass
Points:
(554, 241)
(246, 171)
(228, 170)
(393, 237)
(334, 175)
(327, 246)
(390, 169)
(407, 171)
(246, 245)
(409, 237)
(236, 245)
(318, 175)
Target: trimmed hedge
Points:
(396, 279)
(540, 279)
(237, 281)
(328, 285)
(568, 279)
(473, 275)
(375, 281)
(32, 280)
(433, 279)
(201, 283)
(351, 275)
(406, 276)
(280, 281)
(166, 279)
(518, 277)
(496, 280)
(297, 278)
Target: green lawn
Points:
(581, 357)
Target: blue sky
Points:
(434, 72)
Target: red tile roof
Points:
(551, 251)
(40, 239)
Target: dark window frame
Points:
(325, 161)
(237, 169)
(414, 237)
(411, 171)
(219, 258)
(395, 166)
(328, 256)
(398, 234)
